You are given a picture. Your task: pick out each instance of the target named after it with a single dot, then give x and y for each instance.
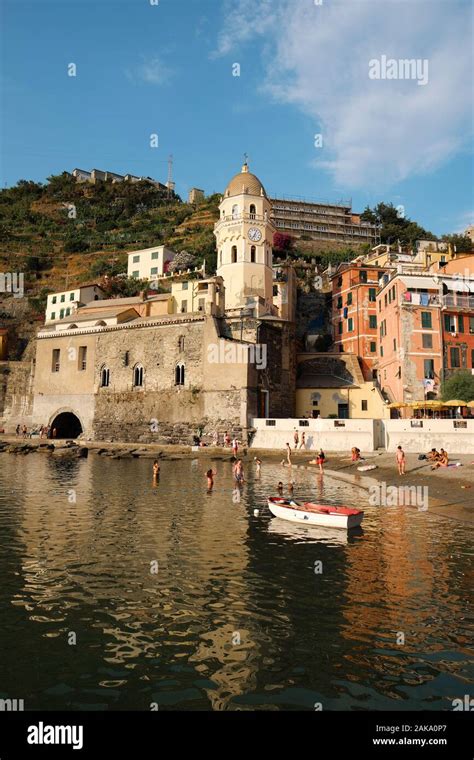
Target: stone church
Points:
(211, 354)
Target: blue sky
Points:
(168, 69)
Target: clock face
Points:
(255, 234)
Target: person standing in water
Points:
(303, 440)
(258, 463)
(400, 457)
(156, 472)
(288, 453)
(210, 479)
(320, 459)
(296, 438)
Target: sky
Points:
(215, 79)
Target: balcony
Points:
(416, 300)
(462, 301)
(246, 217)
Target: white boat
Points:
(315, 514)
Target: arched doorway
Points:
(67, 425)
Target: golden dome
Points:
(244, 182)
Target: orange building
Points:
(458, 326)
(410, 351)
(354, 312)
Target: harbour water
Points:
(119, 595)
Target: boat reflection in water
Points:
(311, 534)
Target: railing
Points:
(459, 300)
(244, 216)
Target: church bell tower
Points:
(244, 238)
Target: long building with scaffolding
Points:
(335, 222)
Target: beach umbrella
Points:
(396, 405)
(454, 402)
(471, 404)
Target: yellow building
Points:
(330, 385)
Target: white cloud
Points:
(151, 71)
(376, 132)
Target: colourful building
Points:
(354, 312)
(410, 352)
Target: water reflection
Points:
(189, 599)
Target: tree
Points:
(283, 243)
(182, 261)
(462, 243)
(395, 224)
(458, 386)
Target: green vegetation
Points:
(458, 386)
(46, 227)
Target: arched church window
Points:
(234, 254)
(179, 374)
(235, 211)
(104, 377)
(253, 254)
(252, 211)
(138, 376)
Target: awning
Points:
(459, 286)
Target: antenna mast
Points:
(169, 182)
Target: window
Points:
(135, 259)
(373, 321)
(339, 302)
(454, 356)
(179, 374)
(184, 285)
(184, 307)
(363, 276)
(181, 344)
(53, 315)
(373, 347)
(394, 292)
(428, 366)
(138, 376)
(71, 297)
(53, 300)
(460, 323)
(385, 300)
(154, 270)
(68, 311)
(364, 406)
(104, 377)
(234, 254)
(349, 299)
(201, 304)
(135, 274)
(253, 253)
(252, 211)
(341, 349)
(55, 363)
(381, 351)
(350, 324)
(427, 340)
(154, 255)
(63, 298)
(275, 291)
(82, 358)
(339, 328)
(339, 282)
(380, 305)
(372, 294)
(235, 211)
(61, 314)
(471, 325)
(394, 344)
(426, 320)
(449, 323)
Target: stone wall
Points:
(16, 395)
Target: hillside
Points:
(63, 230)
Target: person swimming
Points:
(156, 470)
